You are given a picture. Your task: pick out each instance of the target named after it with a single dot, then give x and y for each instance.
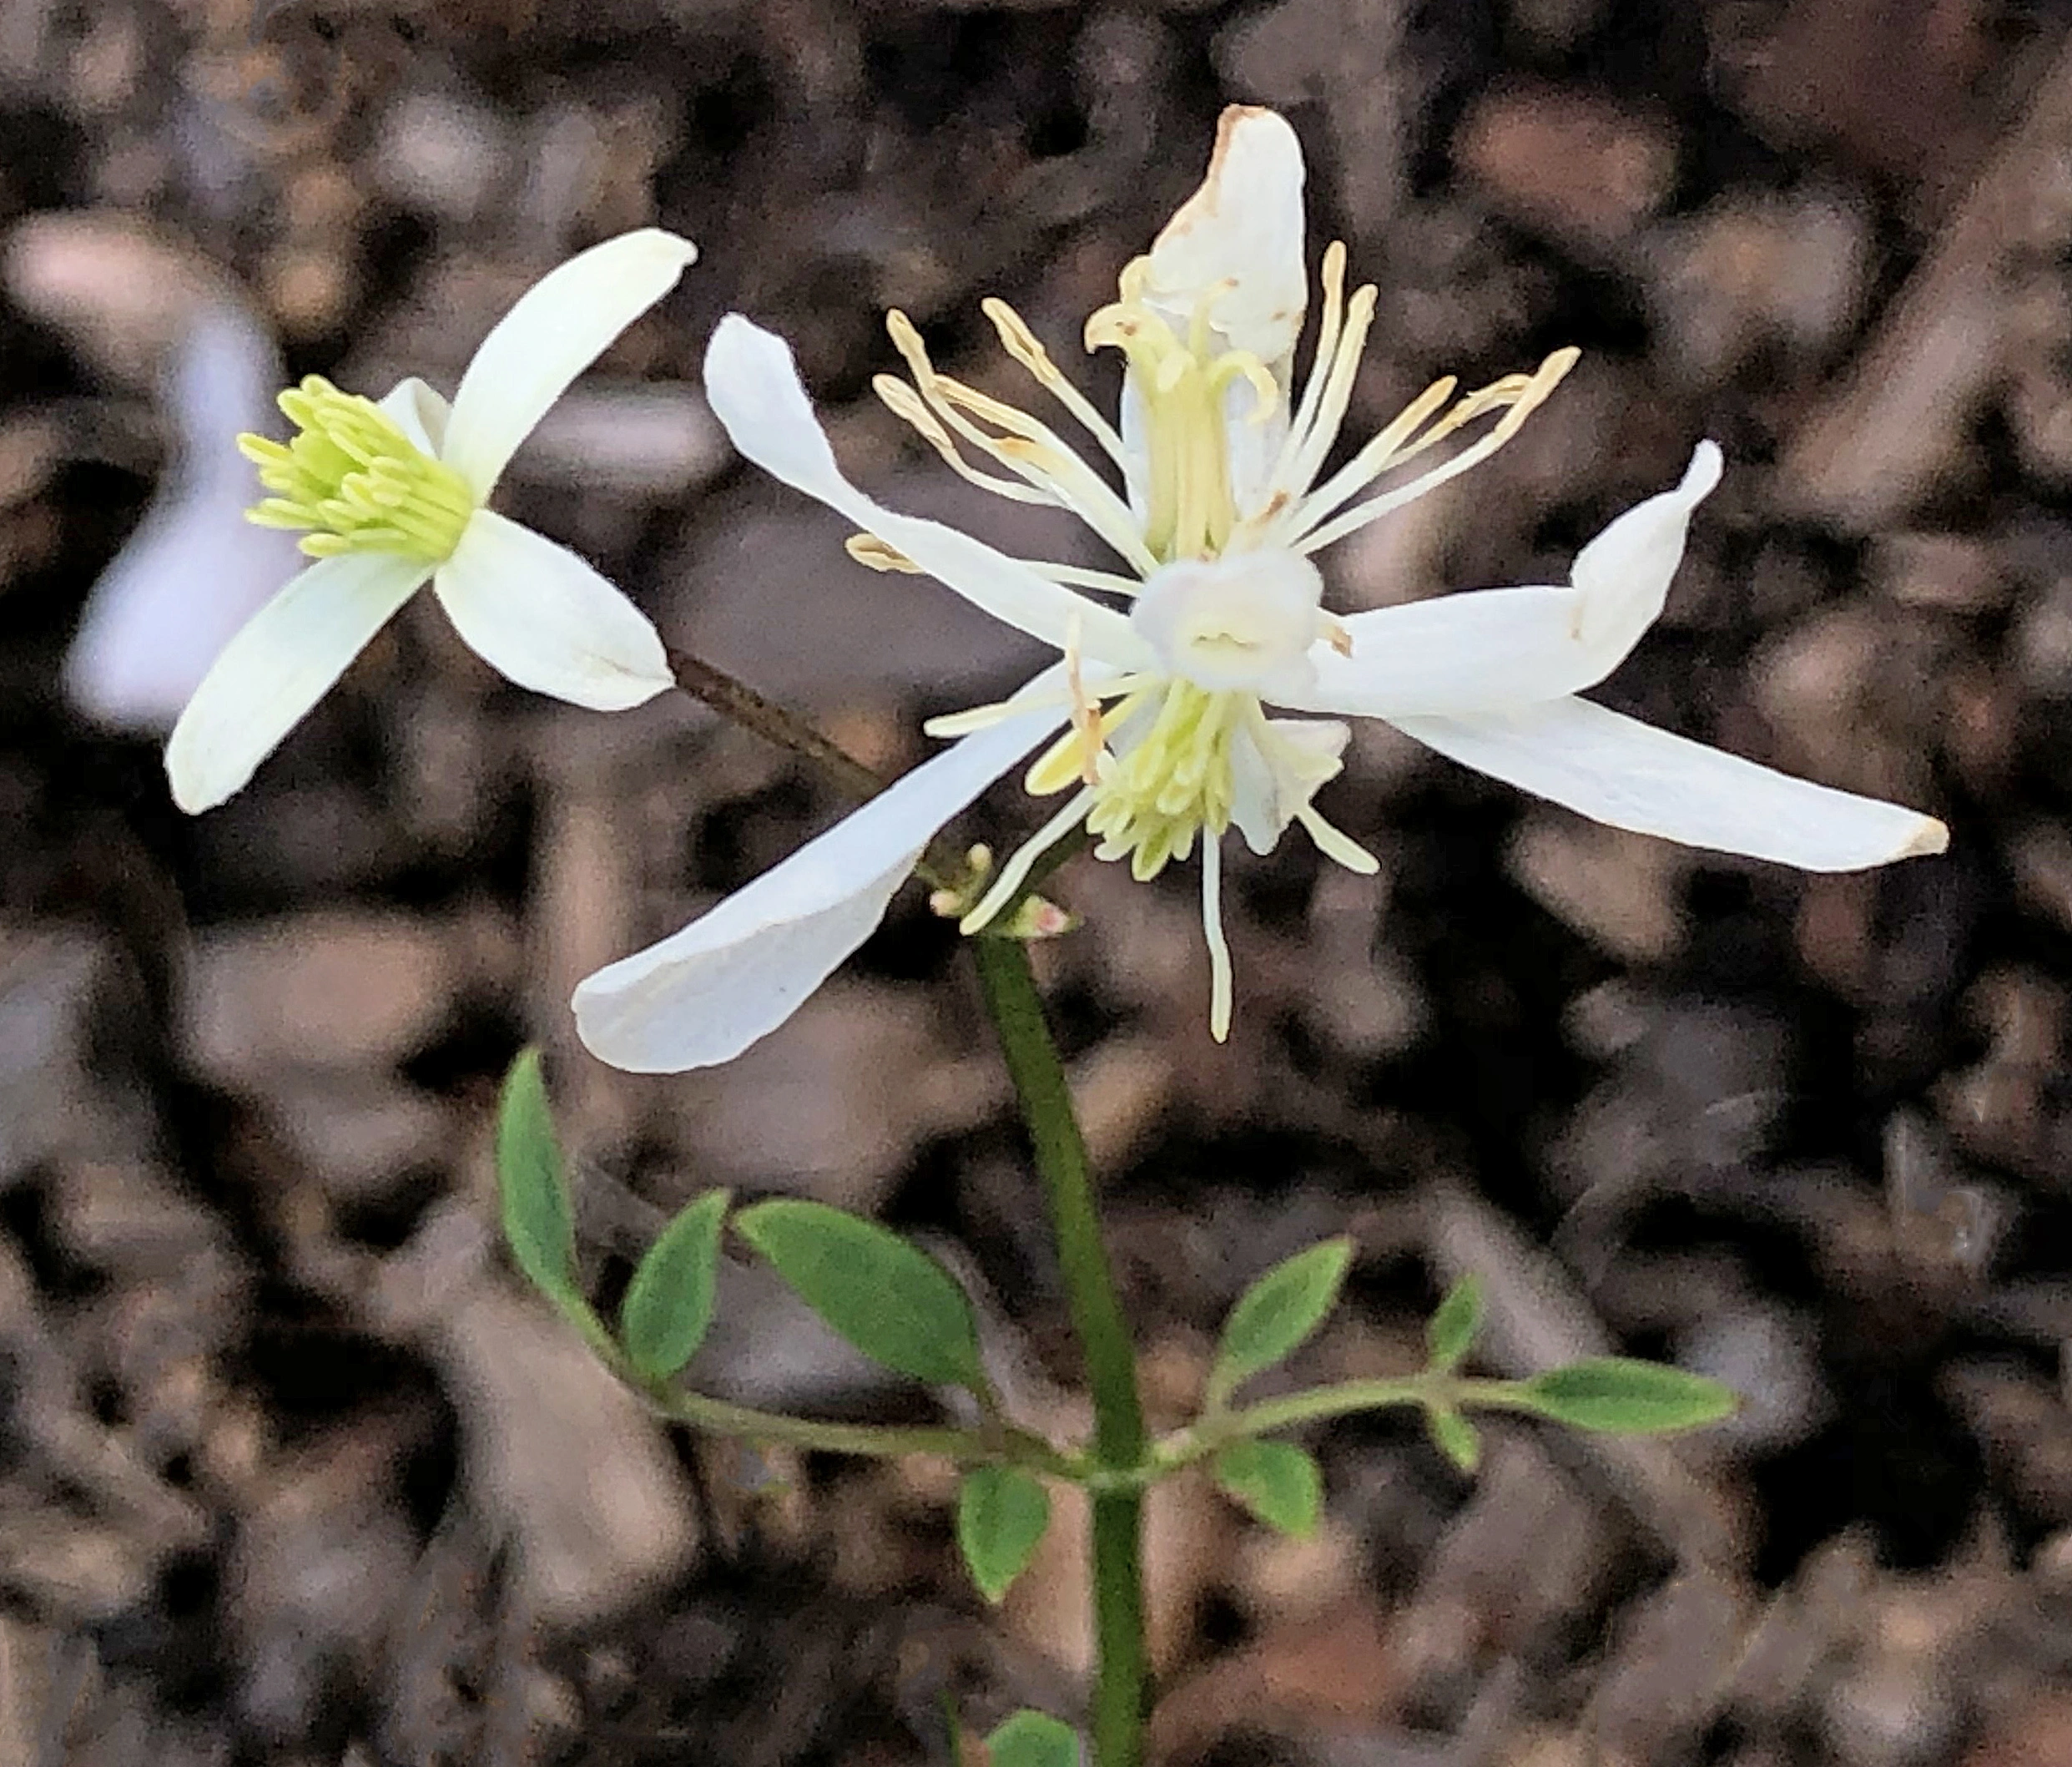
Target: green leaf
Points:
(891, 1300)
(1001, 1514)
(1033, 1739)
(1450, 1332)
(1279, 1482)
(1455, 1436)
(1276, 1313)
(538, 1223)
(669, 1304)
(1633, 1398)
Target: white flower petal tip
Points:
(736, 974)
(1617, 770)
(1632, 558)
(555, 329)
(730, 979)
(1485, 651)
(1701, 477)
(752, 384)
(1242, 228)
(1930, 838)
(543, 619)
(280, 663)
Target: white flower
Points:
(396, 495)
(1167, 671)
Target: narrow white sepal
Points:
(1618, 771)
(1483, 650)
(733, 975)
(543, 618)
(1241, 232)
(560, 325)
(193, 570)
(753, 386)
(279, 664)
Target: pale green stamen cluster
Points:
(355, 481)
(1175, 781)
(1190, 508)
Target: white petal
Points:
(1632, 775)
(1271, 784)
(1488, 649)
(560, 325)
(420, 412)
(1254, 448)
(536, 612)
(754, 388)
(1628, 566)
(737, 972)
(1243, 227)
(278, 667)
(193, 570)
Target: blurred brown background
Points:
(292, 1471)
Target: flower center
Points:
(1182, 385)
(355, 481)
(1246, 621)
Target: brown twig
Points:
(740, 703)
(943, 867)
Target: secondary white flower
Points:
(395, 495)
(1167, 669)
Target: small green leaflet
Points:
(1279, 1482)
(891, 1300)
(1455, 1437)
(538, 1223)
(1450, 1333)
(1632, 1398)
(1275, 1314)
(668, 1305)
(1002, 1512)
(1033, 1739)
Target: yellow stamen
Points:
(1075, 756)
(355, 481)
(907, 405)
(1331, 275)
(1190, 508)
(1303, 455)
(1543, 380)
(1030, 449)
(874, 554)
(1175, 782)
(1085, 710)
(1020, 342)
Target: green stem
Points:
(967, 1447)
(1120, 1444)
(998, 1443)
(1122, 1680)
(1203, 1438)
